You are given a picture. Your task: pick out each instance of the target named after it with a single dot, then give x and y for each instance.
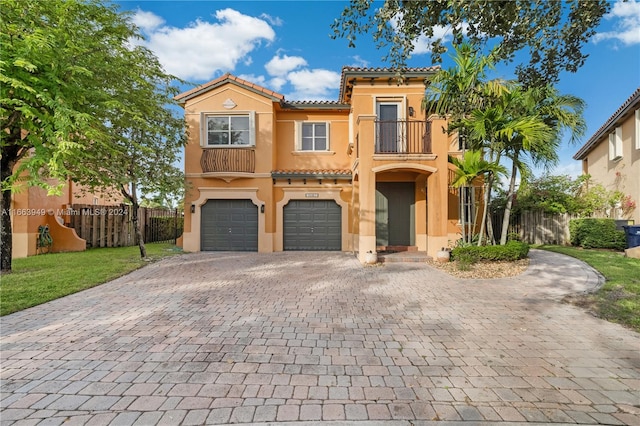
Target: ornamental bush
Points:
(596, 233)
(511, 251)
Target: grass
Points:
(38, 279)
(619, 299)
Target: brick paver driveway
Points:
(232, 338)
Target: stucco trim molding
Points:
(192, 239)
(322, 194)
(396, 166)
(415, 157)
(228, 176)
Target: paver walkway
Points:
(298, 336)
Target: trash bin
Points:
(633, 235)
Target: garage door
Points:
(229, 225)
(312, 225)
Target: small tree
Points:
(469, 169)
(147, 138)
(544, 115)
(66, 69)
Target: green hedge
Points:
(596, 233)
(513, 250)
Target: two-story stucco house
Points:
(612, 155)
(362, 174)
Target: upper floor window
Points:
(231, 130)
(615, 144)
(313, 136)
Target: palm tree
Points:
(457, 91)
(469, 168)
(540, 117)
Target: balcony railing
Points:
(403, 137)
(239, 160)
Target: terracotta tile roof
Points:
(381, 72)
(312, 173)
(340, 103)
(314, 105)
(391, 70)
(629, 105)
(227, 78)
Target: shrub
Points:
(513, 250)
(596, 233)
(465, 259)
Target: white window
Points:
(228, 130)
(615, 144)
(313, 136)
(638, 129)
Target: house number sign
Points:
(312, 195)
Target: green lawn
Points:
(619, 299)
(39, 279)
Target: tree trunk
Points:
(133, 198)
(6, 235)
(490, 231)
(469, 211)
(11, 154)
(463, 209)
(485, 209)
(507, 209)
(139, 236)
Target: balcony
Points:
(225, 160)
(403, 137)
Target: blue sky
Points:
(286, 46)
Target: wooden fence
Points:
(112, 226)
(543, 228)
(537, 227)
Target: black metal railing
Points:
(403, 137)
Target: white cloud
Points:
(256, 79)
(280, 66)
(423, 44)
(572, 168)
(277, 83)
(317, 84)
(203, 49)
(273, 20)
(146, 21)
(359, 62)
(627, 22)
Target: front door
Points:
(395, 213)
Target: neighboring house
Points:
(32, 208)
(612, 155)
(366, 173)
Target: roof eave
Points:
(629, 105)
(315, 106)
(348, 73)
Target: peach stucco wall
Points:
(351, 147)
(32, 207)
(618, 175)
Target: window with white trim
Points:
(313, 136)
(615, 144)
(228, 130)
(638, 129)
